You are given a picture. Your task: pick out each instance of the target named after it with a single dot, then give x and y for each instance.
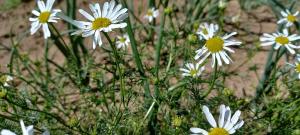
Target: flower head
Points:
(123, 41)
(296, 66)
(151, 14)
(193, 70)
(288, 18)
(205, 27)
(216, 46)
(45, 16)
(227, 124)
(5, 79)
(107, 19)
(280, 40)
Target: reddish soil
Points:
(14, 23)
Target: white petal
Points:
(35, 12)
(49, 4)
(209, 116)
(219, 59)
(239, 125)
(34, 29)
(46, 31)
(105, 8)
(223, 56)
(41, 5)
(198, 131)
(292, 51)
(86, 15)
(229, 35)
(7, 132)
(235, 117)
(221, 117)
(24, 131)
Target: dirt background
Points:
(250, 25)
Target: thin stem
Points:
(213, 81)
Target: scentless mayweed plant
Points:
(174, 67)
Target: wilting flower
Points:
(280, 40)
(205, 27)
(123, 41)
(45, 16)
(151, 14)
(5, 79)
(226, 124)
(296, 66)
(216, 46)
(193, 70)
(25, 130)
(288, 18)
(109, 18)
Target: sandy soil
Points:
(250, 25)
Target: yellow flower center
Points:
(3, 79)
(149, 13)
(215, 44)
(193, 72)
(100, 23)
(291, 18)
(122, 40)
(282, 40)
(205, 32)
(44, 17)
(218, 131)
(297, 68)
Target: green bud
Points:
(192, 38)
(177, 120)
(228, 92)
(168, 10)
(3, 92)
(73, 122)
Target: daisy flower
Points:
(203, 28)
(123, 41)
(227, 124)
(216, 46)
(109, 18)
(5, 79)
(288, 18)
(45, 15)
(25, 130)
(193, 70)
(280, 40)
(151, 14)
(297, 65)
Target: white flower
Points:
(297, 65)
(280, 39)
(203, 28)
(216, 46)
(288, 18)
(123, 41)
(109, 18)
(151, 14)
(45, 15)
(5, 79)
(226, 124)
(25, 130)
(193, 70)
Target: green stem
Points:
(117, 62)
(136, 56)
(213, 81)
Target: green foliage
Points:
(9, 4)
(142, 91)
